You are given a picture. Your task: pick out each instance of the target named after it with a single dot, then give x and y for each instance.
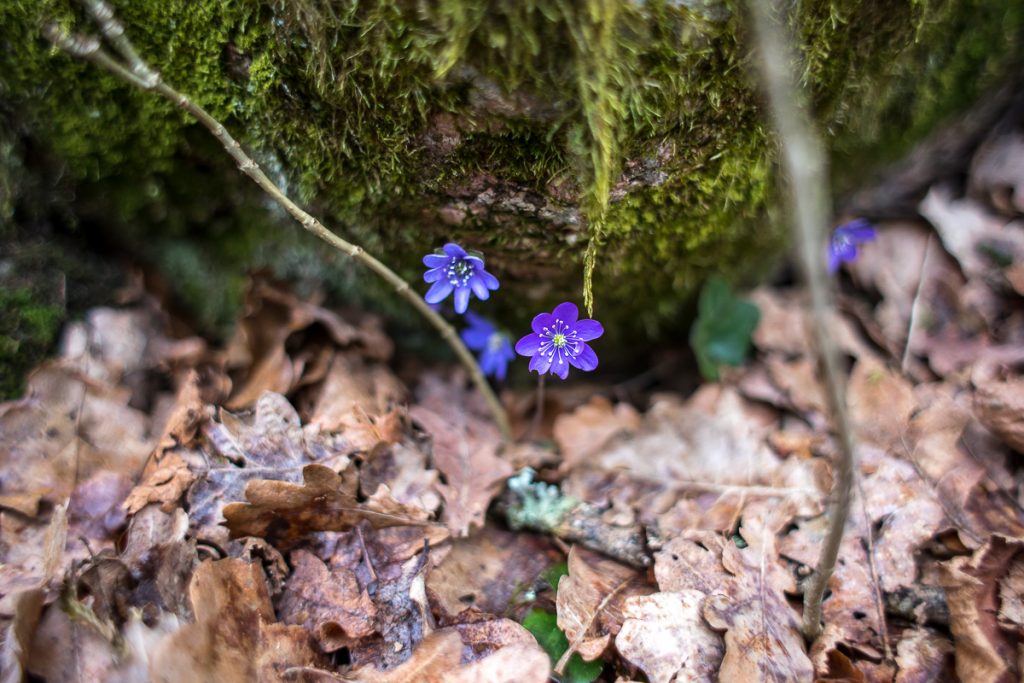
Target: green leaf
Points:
(544, 627)
(554, 573)
(725, 323)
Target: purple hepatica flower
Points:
(560, 340)
(452, 268)
(845, 239)
(495, 347)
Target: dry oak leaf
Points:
(330, 603)
(984, 653)
(165, 484)
(325, 501)
(589, 601)
(763, 640)
(665, 636)
(581, 433)
(234, 638)
(268, 442)
(465, 451)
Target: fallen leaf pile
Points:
(286, 509)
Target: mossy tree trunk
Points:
(549, 134)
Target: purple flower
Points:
(560, 340)
(452, 268)
(845, 239)
(495, 347)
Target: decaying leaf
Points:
(354, 390)
(325, 501)
(666, 637)
(590, 600)
(984, 652)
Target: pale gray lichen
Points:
(541, 506)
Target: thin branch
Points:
(803, 159)
(140, 75)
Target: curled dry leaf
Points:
(666, 637)
(581, 433)
(272, 317)
(984, 652)
(590, 599)
(234, 638)
(325, 501)
(465, 451)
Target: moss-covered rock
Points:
(529, 130)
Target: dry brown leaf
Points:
(581, 433)
(589, 601)
(999, 405)
(434, 658)
(465, 451)
(164, 485)
(515, 663)
(354, 390)
(272, 317)
(797, 380)
(763, 640)
(403, 468)
(969, 232)
(267, 443)
(327, 602)
(880, 404)
(784, 327)
(713, 443)
(485, 569)
(325, 501)
(1011, 597)
(234, 638)
(665, 636)
(66, 650)
(923, 656)
(984, 653)
(161, 557)
(31, 555)
(67, 428)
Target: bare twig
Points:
(803, 159)
(915, 307)
(135, 71)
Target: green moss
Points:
(340, 101)
(29, 330)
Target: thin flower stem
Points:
(140, 75)
(803, 159)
